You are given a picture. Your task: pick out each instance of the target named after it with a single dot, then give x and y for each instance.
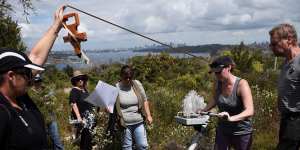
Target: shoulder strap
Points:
(119, 114)
(218, 90)
(141, 100)
(137, 90)
(236, 86)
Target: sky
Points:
(192, 22)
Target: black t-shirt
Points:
(77, 96)
(21, 129)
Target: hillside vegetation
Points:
(167, 80)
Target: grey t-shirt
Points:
(129, 103)
(289, 87)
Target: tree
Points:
(6, 6)
(10, 32)
(68, 70)
(244, 57)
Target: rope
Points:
(126, 29)
(72, 35)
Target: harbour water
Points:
(107, 57)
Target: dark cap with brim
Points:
(10, 59)
(219, 63)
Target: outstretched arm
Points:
(212, 103)
(40, 51)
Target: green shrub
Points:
(167, 80)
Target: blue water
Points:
(97, 58)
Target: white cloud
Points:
(31, 30)
(238, 33)
(25, 30)
(185, 21)
(154, 24)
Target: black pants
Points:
(86, 140)
(289, 133)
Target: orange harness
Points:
(75, 37)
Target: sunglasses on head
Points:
(82, 78)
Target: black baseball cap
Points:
(219, 63)
(10, 59)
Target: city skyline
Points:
(190, 22)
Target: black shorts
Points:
(289, 133)
(290, 127)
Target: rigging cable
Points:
(126, 29)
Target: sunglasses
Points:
(273, 44)
(25, 72)
(127, 77)
(218, 72)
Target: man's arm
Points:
(212, 103)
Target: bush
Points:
(167, 80)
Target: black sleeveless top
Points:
(233, 105)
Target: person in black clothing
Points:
(22, 125)
(45, 99)
(80, 108)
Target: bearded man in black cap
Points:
(22, 125)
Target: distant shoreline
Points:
(62, 59)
